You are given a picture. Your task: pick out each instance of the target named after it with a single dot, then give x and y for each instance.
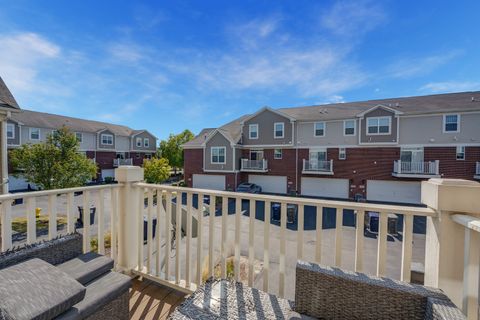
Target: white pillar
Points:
(128, 245)
(445, 239)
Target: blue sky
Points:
(167, 66)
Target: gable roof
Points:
(48, 120)
(6, 98)
(279, 112)
(380, 106)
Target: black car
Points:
(249, 188)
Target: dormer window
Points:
(378, 125)
(319, 129)
(451, 123)
(253, 131)
(279, 128)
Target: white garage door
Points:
(394, 191)
(325, 187)
(108, 173)
(209, 181)
(270, 184)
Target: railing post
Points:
(446, 238)
(399, 166)
(437, 167)
(128, 245)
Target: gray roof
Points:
(48, 120)
(6, 98)
(438, 103)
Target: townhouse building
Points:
(109, 145)
(377, 150)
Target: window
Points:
(107, 139)
(253, 131)
(139, 142)
(460, 152)
(146, 142)
(319, 128)
(451, 123)
(277, 154)
(279, 129)
(349, 127)
(79, 136)
(378, 125)
(148, 156)
(218, 154)
(256, 154)
(316, 155)
(342, 153)
(34, 134)
(10, 131)
(412, 154)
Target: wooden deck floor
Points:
(149, 300)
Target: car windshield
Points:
(244, 187)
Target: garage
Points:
(108, 173)
(394, 191)
(325, 187)
(208, 181)
(270, 184)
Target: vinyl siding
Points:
(103, 146)
(16, 139)
(143, 135)
(266, 121)
(333, 135)
(218, 140)
(389, 138)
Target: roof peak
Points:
(6, 97)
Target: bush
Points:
(109, 180)
(107, 239)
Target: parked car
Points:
(371, 223)
(249, 188)
(291, 212)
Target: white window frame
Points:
(11, 125)
(30, 130)
(342, 153)
(146, 143)
(277, 156)
(315, 128)
(345, 128)
(275, 130)
(378, 133)
(138, 142)
(81, 136)
(250, 126)
(224, 155)
(106, 135)
(460, 150)
(445, 122)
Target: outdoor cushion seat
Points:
(87, 267)
(99, 293)
(35, 289)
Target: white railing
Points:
(318, 166)
(122, 162)
(61, 203)
(254, 165)
(416, 168)
(231, 235)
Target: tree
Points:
(172, 150)
(54, 164)
(156, 170)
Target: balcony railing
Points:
(317, 167)
(409, 169)
(254, 165)
(477, 171)
(122, 162)
(179, 237)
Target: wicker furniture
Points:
(106, 293)
(320, 292)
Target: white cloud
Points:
(353, 18)
(410, 67)
(126, 52)
(450, 86)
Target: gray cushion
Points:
(99, 293)
(35, 289)
(87, 267)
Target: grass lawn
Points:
(20, 224)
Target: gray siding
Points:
(428, 130)
(218, 140)
(99, 139)
(333, 135)
(16, 140)
(89, 141)
(25, 134)
(265, 121)
(143, 135)
(390, 138)
(238, 157)
(122, 144)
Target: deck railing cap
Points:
(129, 174)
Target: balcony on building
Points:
(248, 165)
(317, 167)
(477, 171)
(418, 169)
(122, 162)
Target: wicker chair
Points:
(106, 293)
(320, 292)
